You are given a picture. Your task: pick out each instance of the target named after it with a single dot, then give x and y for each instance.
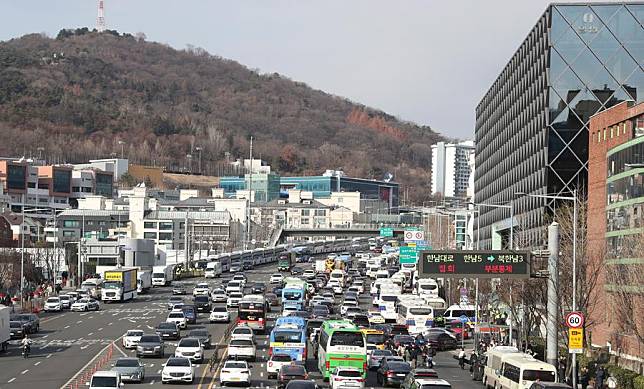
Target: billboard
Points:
(475, 264)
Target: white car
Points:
(218, 296)
(288, 309)
(375, 318)
(190, 348)
(346, 305)
(242, 348)
(234, 286)
(336, 286)
(241, 278)
(202, 289)
(243, 332)
(275, 363)
(132, 338)
(105, 380)
(53, 304)
(276, 279)
(235, 372)
(358, 284)
(66, 301)
(346, 378)
(219, 314)
(85, 304)
(233, 299)
(177, 318)
(308, 273)
(177, 370)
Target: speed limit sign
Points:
(575, 320)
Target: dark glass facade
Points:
(104, 185)
(532, 125)
(16, 177)
(62, 181)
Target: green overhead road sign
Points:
(408, 255)
(386, 231)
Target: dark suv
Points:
(202, 303)
(30, 322)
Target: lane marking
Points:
(152, 382)
(109, 324)
(45, 336)
(11, 380)
(66, 327)
(121, 351)
(78, 373)
(159, 372)
(84, 347)
(48, 356)
(100, 329)
(37, 363)
(90, 334)
(24, 371)
(51, 318)
(78, 322)
(59, 350)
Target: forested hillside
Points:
(85, 95)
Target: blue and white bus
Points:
(294, 293)
(289, 338)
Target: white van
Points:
(454, 312)
(519, 371)
(213, 269)
(427, 286)
(339, 276)
(495, 358)
(93, 287)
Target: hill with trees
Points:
(87, 95)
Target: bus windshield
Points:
(376, 338)
(292, 295)
(287, 336)
(420, 311)
(343, 338)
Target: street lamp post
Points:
(572, 198)
(199, 149)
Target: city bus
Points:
(289, 337)
(341, 343)
(294, 293)
(375, 337)
(252, 312)
(519, 371)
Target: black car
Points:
(168, 331)
(404, 340)
(361, 320)
(296, 271)
(202, 335)
(301, 384)
(16, 329)
(277, 290)
(29, 321)
(257, 288)
(441, 341)
(291, 372)
(272, 299)
(392, 373)
(398, 329)
(320, 310)
(150, 345)
(202, 303)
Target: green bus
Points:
(341, 343)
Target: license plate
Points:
(165, 335)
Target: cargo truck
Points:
(320, 265)
(120, 284)
(144, 281)
(286, 261)
(162, 275)
(4, 327)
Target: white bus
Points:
(416, 316)
(495, 357)
(213, 269)
(427, 286)
(519, 371)
(387, 305)
(454, 312)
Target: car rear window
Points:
(176, 315)
(235, 365)
(349, 373)
(126, 363)
(189, 343)
(293, 370)
(241, 342)
(281, 358)
(219, 309)
(150, 339)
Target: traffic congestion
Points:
(350, 318)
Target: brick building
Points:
(616, 229)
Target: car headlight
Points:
(139, 347)
(157, 347)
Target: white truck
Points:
(143, 281)
(119, 284)
(213, 269)
(320, 265)
(4, 327)
(162, 275)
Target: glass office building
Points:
(532, 124)
(265, 185)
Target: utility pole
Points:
(553, 285)
(185, 237)
(250, 196)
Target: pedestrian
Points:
(599, 377)
(584, 378)
(461, 358)
(611, 382)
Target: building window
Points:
(320, 212)
(149, 235)
(165, 226)
(165, 235)
(149, 225)
(305, 212)
(71, 223)
(305, 221)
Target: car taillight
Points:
(360, 380)
(364, 366)
(390, 373)
(328, 364)
(270, 352)
(225, 371)
(306, 376)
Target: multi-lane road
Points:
(70, 342)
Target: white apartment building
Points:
(451, 168)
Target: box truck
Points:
(120, 284)
(144, 281)
(4, 327)
(213, 269)
(162, 275)
(320, 265)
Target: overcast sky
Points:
(426, 61)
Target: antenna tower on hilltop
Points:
(100, 20)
